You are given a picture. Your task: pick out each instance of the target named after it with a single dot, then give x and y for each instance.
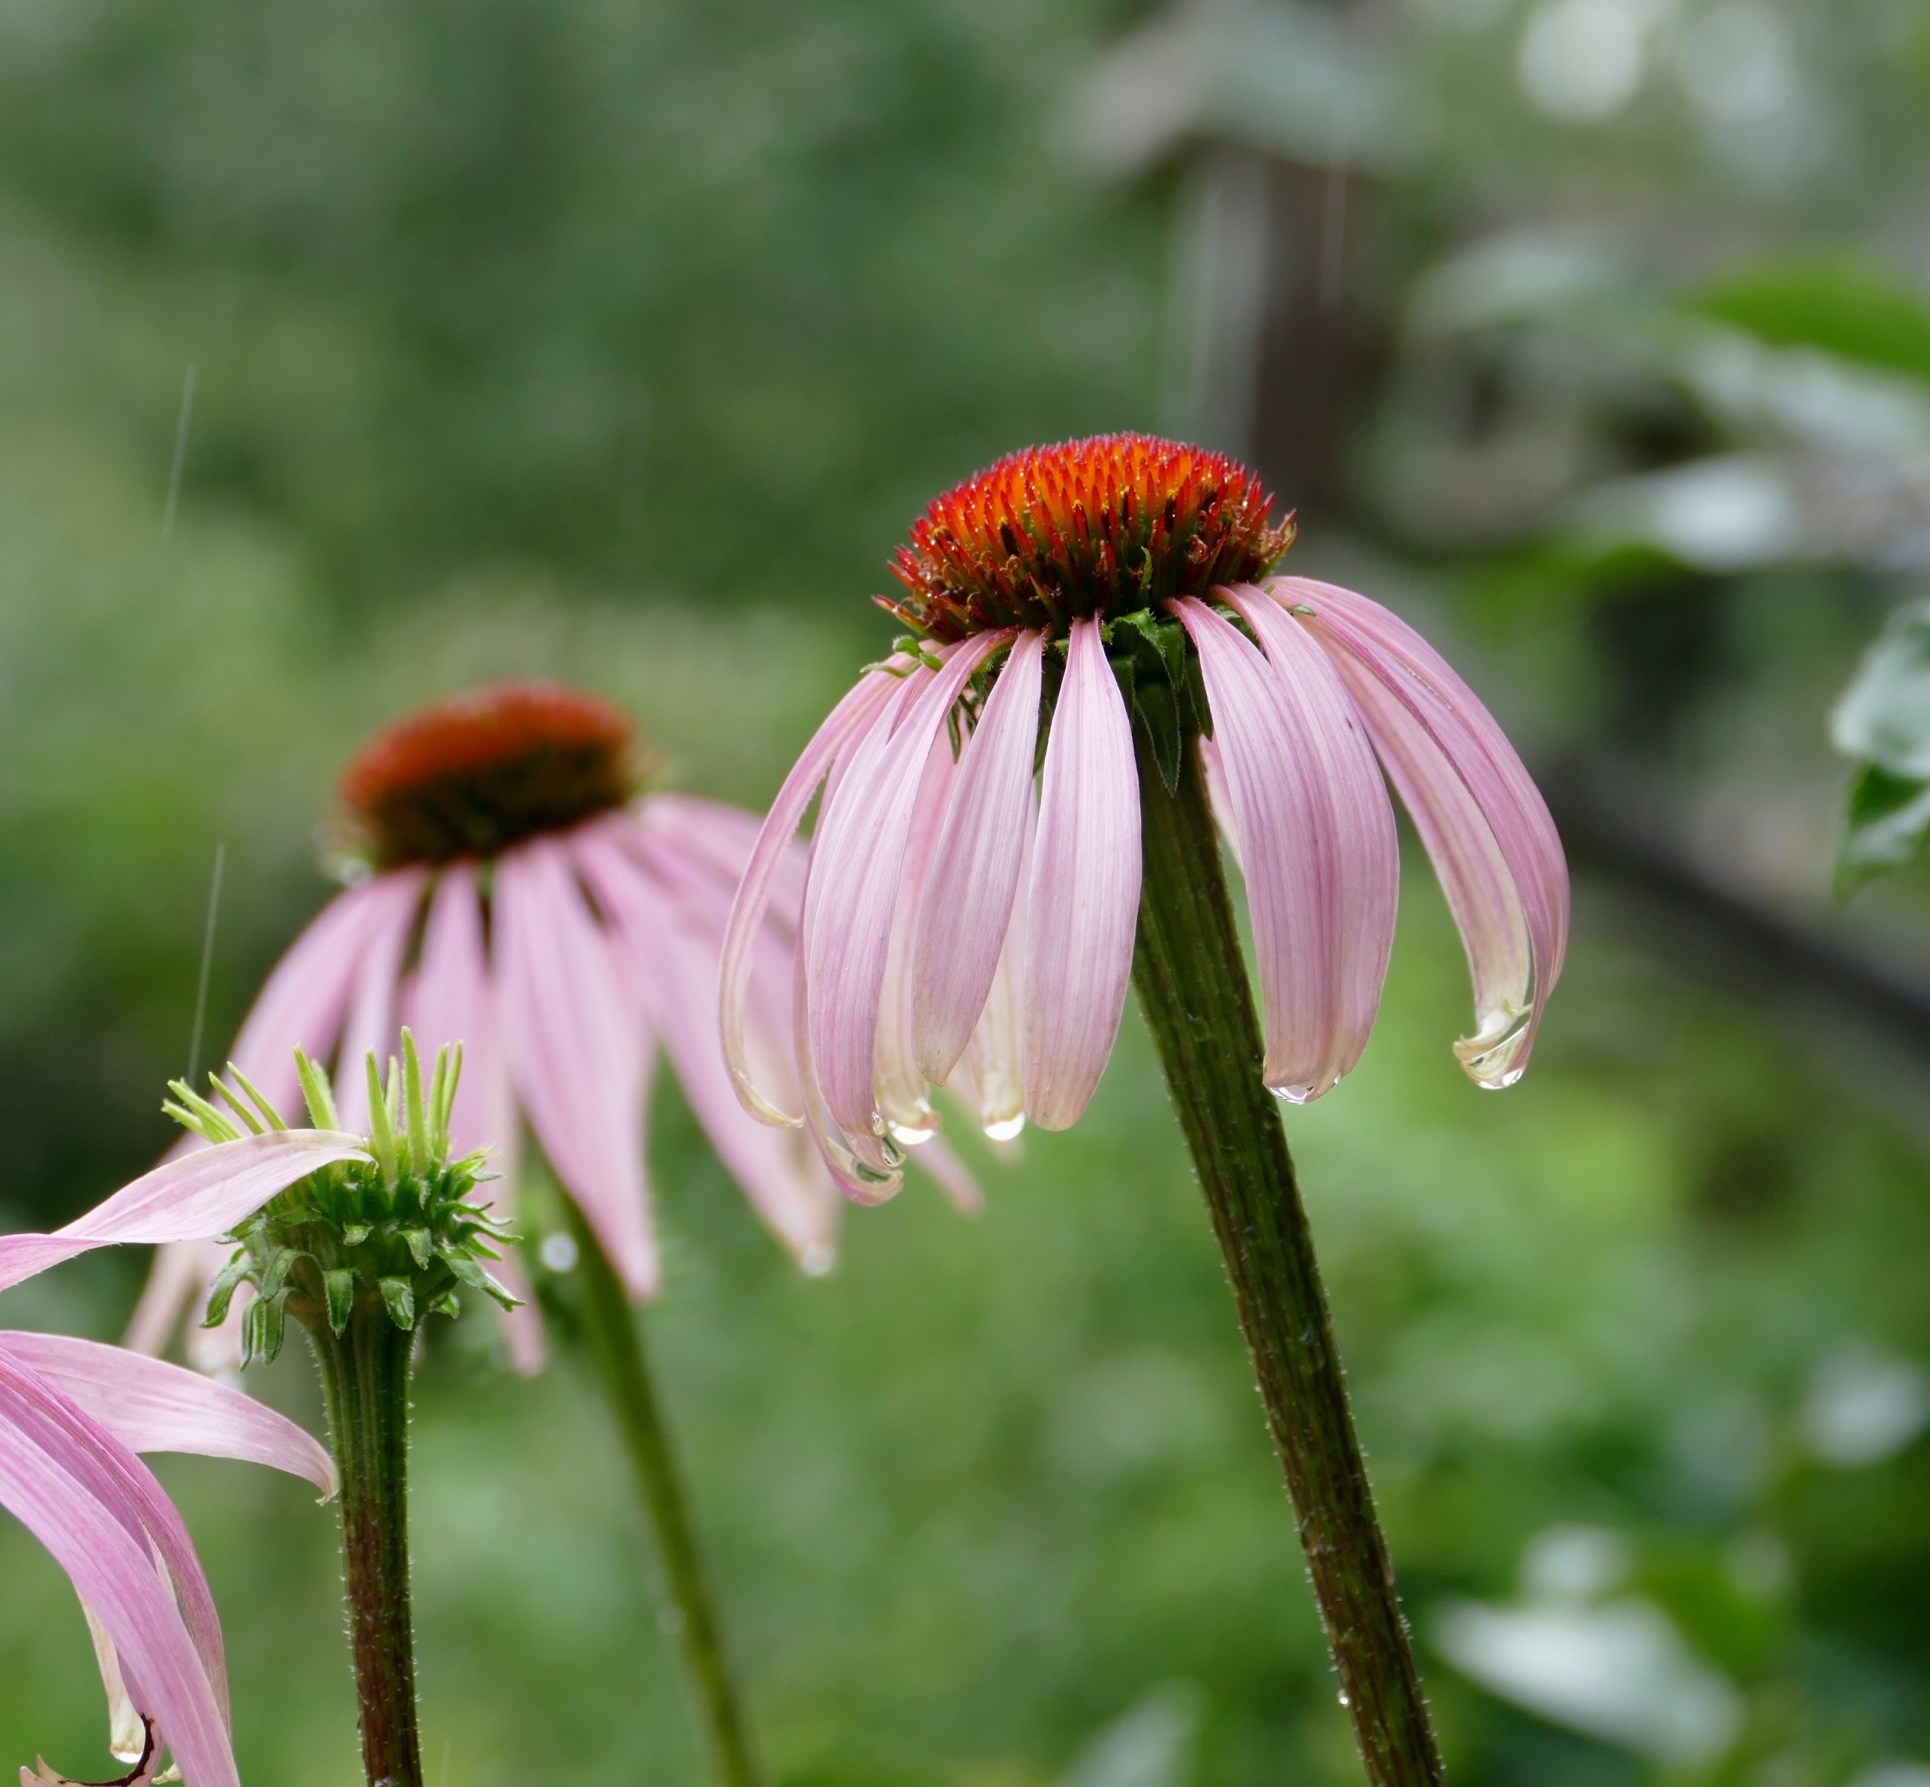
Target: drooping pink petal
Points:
(856, 859)
(691, 844)
(1366, 868)
(450, 1000)
(1478, 812)
(301, 1004)
(373, 1025)
(677, 975)
(1288, 849)
(1218, 795)
(1083, 909)
(768, 860)
(575, 1050)
(194, 1197)
(150, 1406)
(990, 1075)
(973, 884)
(108, 1524)
(899, 1087)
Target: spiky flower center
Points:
(1106, 526)
(473, 775)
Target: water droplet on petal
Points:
(558, 1252)
(1006, 1129)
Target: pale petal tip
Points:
(761, 1107)
(1496, 1056)
(1006, 1129)
(817, 1260)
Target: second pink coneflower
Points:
(1016, 824)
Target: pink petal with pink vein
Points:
(1478, 812)
(1084, 901)
(99, 1511)
(150, 1406)
(852, 716)
(856, 861)
(973, 885)
(1365, 881)
(902, 1092)
(677, 975)
(575, 1052)
(194, 1197)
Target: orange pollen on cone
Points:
(1102, 527)
(473, 775)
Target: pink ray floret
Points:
(973, 890)
(74, 1415)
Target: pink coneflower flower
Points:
(75, 1414)
(972, 899)
(515, 897)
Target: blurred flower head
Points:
(511, 891)
(973, 885)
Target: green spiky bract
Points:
(399, 1228)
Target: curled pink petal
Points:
(1083, 905)
(856, 860)
(850, 717)
(190, 1198)
(150, 1406)
(575, 1050)
(1478, 812)
(107, 1523)
(1361, 869)
(973, 883)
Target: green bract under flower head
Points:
(398, 1232)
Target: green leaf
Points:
(340, 1285)
(420, 1245)
(1887, 818)
(354, 1233)
(1845, 305)
(399, 1295)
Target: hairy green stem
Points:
(615, 1336)
(365, 1379)
(1192, 984)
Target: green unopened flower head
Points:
(397, 1233)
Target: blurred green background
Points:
(620, 343)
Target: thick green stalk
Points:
(1193, 990)
(615, 1336)
(365, 1379)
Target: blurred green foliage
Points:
(619, 343)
